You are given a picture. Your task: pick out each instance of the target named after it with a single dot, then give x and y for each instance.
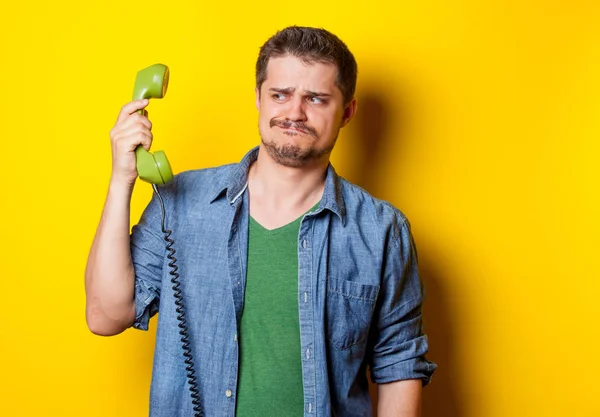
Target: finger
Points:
(129, 143)
(146, 142)
(132, 120)
(138, 119)
(133, 131)
(131, 108)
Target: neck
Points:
(285, 188)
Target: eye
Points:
(278, 96)
(316, 100)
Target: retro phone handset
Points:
(152, 82)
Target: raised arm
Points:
(109, 274)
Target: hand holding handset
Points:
(152, 82)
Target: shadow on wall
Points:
(371, 129)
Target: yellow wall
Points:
(480, 121)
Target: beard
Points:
(291, 155)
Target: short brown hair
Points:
(311, 45)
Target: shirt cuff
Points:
(146, 304)
(403, 361)
(417, 368)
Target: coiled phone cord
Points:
(187, 352)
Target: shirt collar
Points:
(236, 182)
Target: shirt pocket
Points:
(349, 310)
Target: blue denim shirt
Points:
(359, 293)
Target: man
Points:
(294, 281)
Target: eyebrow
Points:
(291, 90)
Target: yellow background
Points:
(479, 120)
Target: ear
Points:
(257, 91)
(349, 112)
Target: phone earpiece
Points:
(152, 82)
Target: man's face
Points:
(301, 111)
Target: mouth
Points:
(293, 129)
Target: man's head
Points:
(305, 84)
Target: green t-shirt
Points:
(270, 379)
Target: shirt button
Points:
(235, 337)
(304, 243)
(228, 393)
(307, 353)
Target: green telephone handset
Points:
(152, 82)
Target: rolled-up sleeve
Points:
(398, 342)
(148, 252)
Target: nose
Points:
(296, 111)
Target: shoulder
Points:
(370, 211)
(198, 184)
(204, 176)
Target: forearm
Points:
(400, 399)
(109, 277)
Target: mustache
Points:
(288, 124)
